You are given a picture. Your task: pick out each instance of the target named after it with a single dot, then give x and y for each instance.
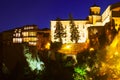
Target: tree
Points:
(59, 31)
(110, 65)
(73, 30)
(110, 31)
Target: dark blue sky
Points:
(16, 13)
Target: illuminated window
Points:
(32, 43)
(30, 27)
(17, 40)
(25, 33)
(19, 30)
(32, 33)
(14, 40)
(24, 28)
(17, 34)
(33, 39)
(26, 39)
(13, 34)
(15, 30)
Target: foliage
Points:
(55, 46)
(73, 30)
(5, 69)
(59, 31)
(80, 73)
(110, 66)
(34, 63)
(88, 66)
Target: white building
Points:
(94, 19)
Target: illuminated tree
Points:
(34, 62)
(59, 31)
(110, 31)
(110, 66)
(35, 67)
(80, 73)
(73, 30)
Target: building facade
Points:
(29, 34)
(43, 39)
(26, 34)
(94, 19)
(7, 37)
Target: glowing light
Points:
(91, 49)
(32, 43)
(68, 47)
(17, 40)
(111, 66)
(47, 46)
(88, 69)
(80, 73)
(73, 48)
(116, 53)
(34, 62)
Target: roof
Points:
(115, 5)
(95, 5)
(69, 20)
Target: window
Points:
(13, 34)
(19, 30)
(33, 39)
(17, 40)
(17, 34)
(25, 33)
(32, 33)
(26, 39)
(32, 43)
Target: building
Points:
(104, 35)
(26, 34)
(7, 37)
(29, 34)
(112, 13)
(94, 19)
(43, 39)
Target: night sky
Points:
(16, 13)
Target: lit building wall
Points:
(116, 17)
(27, 33)
(117, 22)
(94, 15)
(106, 16)
(17, 36)
(43, 39)
(95, 10)
(94, 19)
(82, 29)
(112, 12)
